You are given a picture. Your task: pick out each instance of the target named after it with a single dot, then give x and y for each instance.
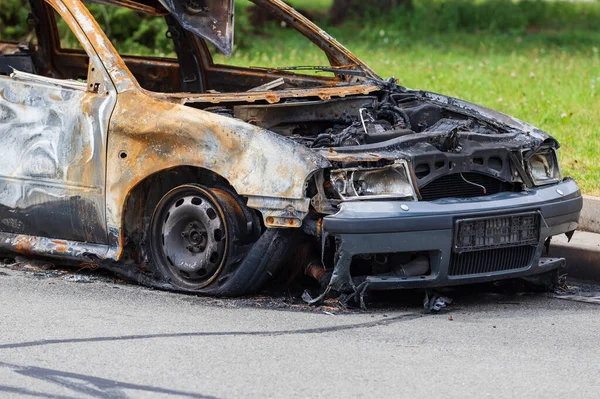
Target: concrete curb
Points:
(582, 255)
(590, 214)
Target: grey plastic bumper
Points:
(393, 226)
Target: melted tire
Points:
(249, 260)
(262, 263)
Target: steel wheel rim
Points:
(192, 236)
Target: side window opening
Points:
(68, 40)
(144, 42)
(133, 33)
(21, 49)
(262, 58)
(270, 33)
(70, 60)
(17, 37)
(14, 20)
(137, 37)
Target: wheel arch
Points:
(144, 196)
(149, 135)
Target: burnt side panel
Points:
(52, 166)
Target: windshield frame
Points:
(338, 55)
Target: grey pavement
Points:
(65, 335)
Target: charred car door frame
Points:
(54, 132)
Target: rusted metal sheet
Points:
(53, 165)
(149, 135)
(44, 246)
(54, 133)
(324, 93)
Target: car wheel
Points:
(198, 236)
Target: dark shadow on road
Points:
(82, 384)
(321, 330)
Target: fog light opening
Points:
(389, 265)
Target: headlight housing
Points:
(355, 184)
(543, 167)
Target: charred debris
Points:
(395, 113)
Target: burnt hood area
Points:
(438, 135)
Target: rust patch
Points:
(61, 247)
(23, 245)
(325, 93)
(166, 135)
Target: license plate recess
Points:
(477, 234)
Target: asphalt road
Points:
(65, 335)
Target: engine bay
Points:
(356, 121)
(401, 143)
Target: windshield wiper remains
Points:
(339, 71)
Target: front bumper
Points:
(379, 227)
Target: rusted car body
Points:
(198, 177)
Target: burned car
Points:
(186, 174)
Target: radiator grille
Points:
(491, 260)
(453, 186)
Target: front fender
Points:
(148, 135)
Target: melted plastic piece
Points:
(210, 19)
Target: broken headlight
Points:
(354, 184)
(543, 167)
